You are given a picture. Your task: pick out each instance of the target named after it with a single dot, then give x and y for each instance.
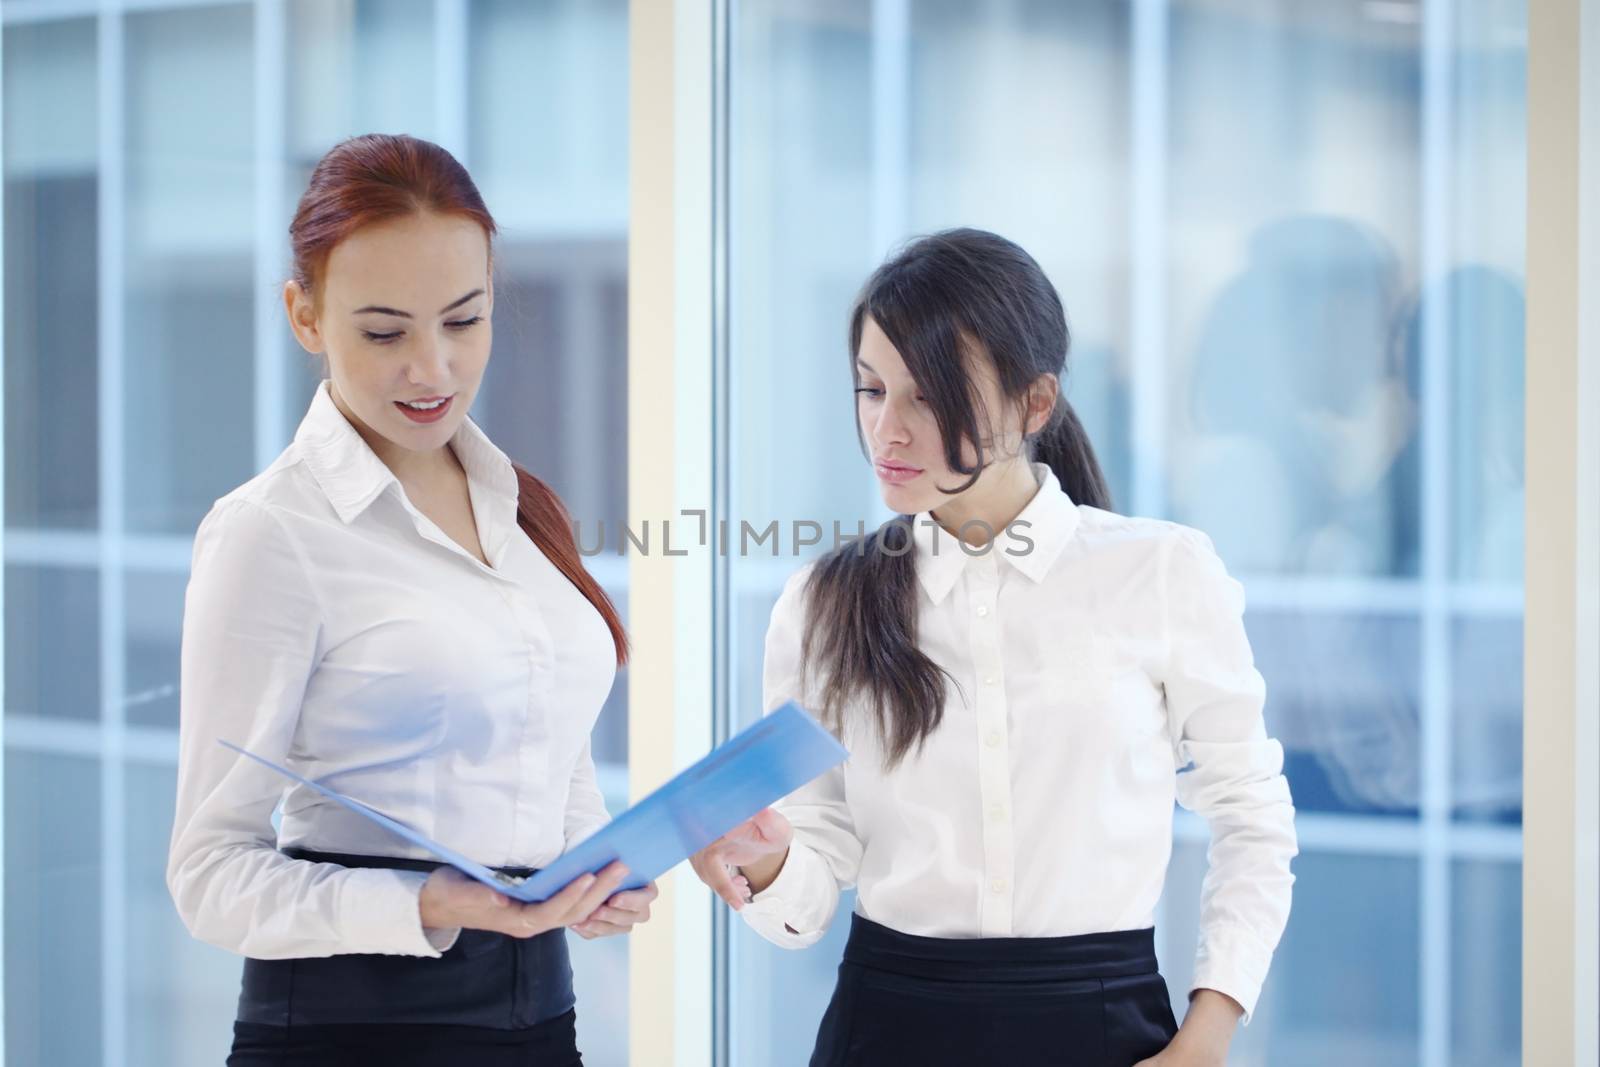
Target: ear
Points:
(302, 312)
(1042, 396)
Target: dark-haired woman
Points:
(1026, 682)
(395, 609)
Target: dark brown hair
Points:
(943, 301)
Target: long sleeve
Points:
(825, 856)
(586, 804)
(1231, 772)
(251, 633)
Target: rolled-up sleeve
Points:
(252, 629)
(1231, 771)
(825, 856)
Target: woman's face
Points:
(908, 454)
(404, 323)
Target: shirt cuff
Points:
(795, 910)
(379, 914)
(1234, 963)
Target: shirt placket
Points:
(994, 747)
(532, 794)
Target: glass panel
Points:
(52, 923)
(357, 66)
(784, 993)
(190, 270)
(1487, 687)
(153, 605)
(182, 993)
(1342, 697)
(51, 276)
(1345, 979)
(1485, 291)
(1284, 301)
(1486, 962)
(550, 170)
(52, 643)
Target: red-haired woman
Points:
(394, 608)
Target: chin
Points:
(904, 501)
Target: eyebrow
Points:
(377, 309)
(864, 365)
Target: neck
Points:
(407, 464)
(997, 499)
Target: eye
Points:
(465, 324)
(381, 338)
(869, 391)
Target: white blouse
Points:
(329, 625)
(1098, 677)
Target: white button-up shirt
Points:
(1097, 677)
(331, 626)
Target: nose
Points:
(891, 427)
(428, 364)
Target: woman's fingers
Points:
(618, 916)
(593, 929)
(605, 884)
(635, 899)
(530, 919)
(720, 879)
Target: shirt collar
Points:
(352, 476)
(1043, 528)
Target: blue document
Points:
(755, 767)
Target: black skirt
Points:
(491, 1000)
(1096, 1000)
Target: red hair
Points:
(544, 519)
(371, 179)
(378, 177)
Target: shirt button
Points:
(989, 680)
(997, 886)
(993, 740)
(997, 813)
(983, 610)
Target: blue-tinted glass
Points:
(53, 866)
(189, 348)
(1486, 964)
(1345, 979)
(52, 617)
(182, 993)
(153, 606)
(1343, 698)
(1487, 704)
(51, 278)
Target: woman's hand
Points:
(759, 845)
(619, 914)
(1204, 1037)
(450, 899)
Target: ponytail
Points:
(861, 612)
(544, 519)
(1064, 447)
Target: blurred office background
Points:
(1290, 241)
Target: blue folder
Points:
(760, 764)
